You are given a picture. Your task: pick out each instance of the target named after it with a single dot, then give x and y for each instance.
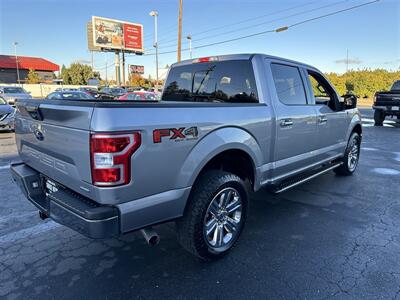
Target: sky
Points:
(56, 30)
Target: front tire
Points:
(351, 156)
(379, 117)
(215, 215)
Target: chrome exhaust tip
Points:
(151, 237)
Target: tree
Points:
(33, 77)
(363, 83)
(78, 74)
(137, 80)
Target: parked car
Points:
(69, 95)
(7, 113)
(387, 103)
(114, 92)
(96, 94)
(139, 96)
(225, 126)
(12, 93)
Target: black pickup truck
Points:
(387, 104)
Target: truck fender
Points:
(214, 143)
(355, 120)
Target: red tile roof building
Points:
(8, 68)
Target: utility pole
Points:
(347, 61)
(155, 15)
(16, 61)
(190, 44)
(179, 30)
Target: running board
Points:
(294, 181)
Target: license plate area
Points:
(50, 186)
(395, 108)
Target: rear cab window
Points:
(218, 81)
(395, 86)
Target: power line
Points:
(273, 30)
(268, 22)
(243, 21)
(334, 13)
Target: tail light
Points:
(111, 157)
(204, 59)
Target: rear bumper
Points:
(67, 208)
(390, 110)
(93, 219)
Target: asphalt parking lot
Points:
(333, 237)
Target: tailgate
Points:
(53, 138)
(389, 99)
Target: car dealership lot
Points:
(331, 237)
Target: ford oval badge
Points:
(39, 135)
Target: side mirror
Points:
(350, 101)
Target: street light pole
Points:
(16, 61)
(155, 15)
(189, 37)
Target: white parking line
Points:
(368, 120)
(4, 167)
(17, 216)
(28, 232)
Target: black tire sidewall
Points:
(191, 226)
(379, 117)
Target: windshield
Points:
(69, 96)
(396, 86)
(117, 91)
(75, 96)
(88, 89)
(14, 90)
(225, 81)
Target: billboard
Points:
(135, 69)
(111, 34)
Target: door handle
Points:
(286, 122)
(322, 120)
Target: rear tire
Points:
(208, 228)
(379, 117)
(351, 156)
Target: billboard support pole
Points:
(117, 73)
(123, 68)
(106, 68)
(91, 52)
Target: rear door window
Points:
(289, 85)
(225, 81)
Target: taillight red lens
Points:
(110, 144)
(106, 175)
(111, 157)
(205, 59)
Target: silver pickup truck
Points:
(225, 126)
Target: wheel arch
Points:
(355, 126)
(225, 144)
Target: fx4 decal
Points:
(177, 134)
